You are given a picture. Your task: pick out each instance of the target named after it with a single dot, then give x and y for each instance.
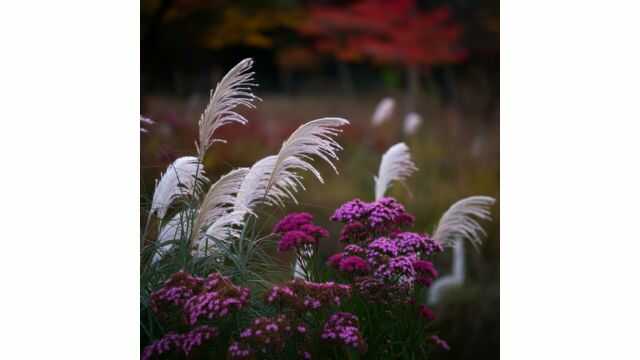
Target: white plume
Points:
(184, 177)
(218, 200)
(456, 278)
(219, 234)
(460, 221)
(383, 111)
(144, 120)
(275, 178)
(233, 90)
(169, 232)
(411, 123)
(396, 165)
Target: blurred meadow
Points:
(329, 58)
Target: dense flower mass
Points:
(354, 264)
(264, 334)
(386, 214)
(425, 272)
(302, 295)
(170, 343)
(343, 328)
(173, 343)
(179, 288)
(197, 337)
(198, 298)
(388, 260)
(410, 242)
(297, 230)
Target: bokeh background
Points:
(439, 59)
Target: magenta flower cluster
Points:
(267, 335)
(301, 295)
(185, 299)
(383, 259)
(297, 230)
(343, 328)
(363, 218)
(174, 343)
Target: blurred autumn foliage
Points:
(386, 32)
(186, 43)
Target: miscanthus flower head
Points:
(343, 328)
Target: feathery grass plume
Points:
(218, 201)
(183, 177)
(456, 278)
(411, 123)
(169, 233)
(232, 91)
(147, 121)
(274, 179)
(460, 221)
(383, 111)
(396, 165)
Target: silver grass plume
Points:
(220, 233)
(144, 120)
(232, 91)
(460, 221)
(455, 278)
(217, 202)
(411, 123)
(184, 177)
(383, 111)
(396, 165)
(275, 179)
(169, 232)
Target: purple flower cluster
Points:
(363, 219)
(302, 295)
(426, 313)
(398, 270)
(353, 264)
(215, 304)
(196, 298)
(355, 232)
(186, 343)
(170, 343)
(179, 288)
(343, 328)
(266, 335)
(425, 272)
(410, 242)
(297, 230)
